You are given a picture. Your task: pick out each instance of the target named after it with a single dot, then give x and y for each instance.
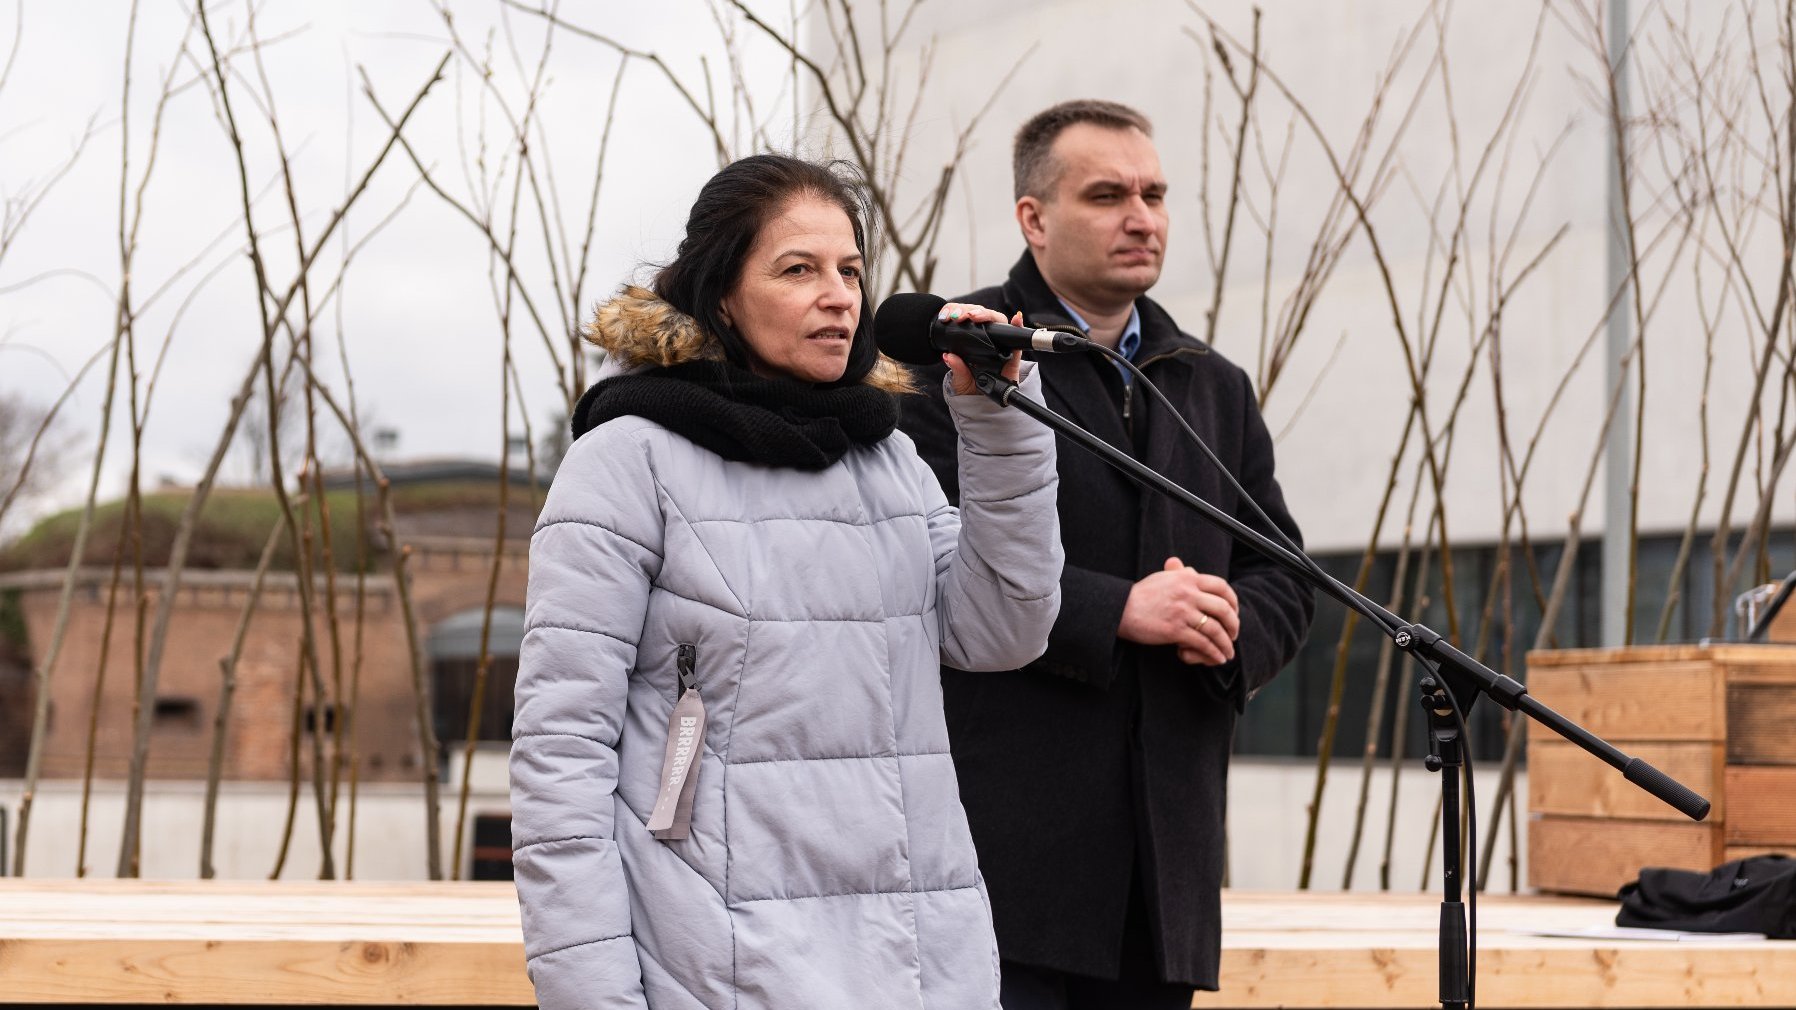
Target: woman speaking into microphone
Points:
(730, 780)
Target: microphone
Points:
(907, 329)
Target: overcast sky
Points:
(418, 317)
(421, 329)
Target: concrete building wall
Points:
(389, 828)
(1339, 403)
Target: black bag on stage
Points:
(1753, 895)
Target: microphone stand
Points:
(1449, 669)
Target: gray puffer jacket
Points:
(829, 863)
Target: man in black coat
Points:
(1095, 778)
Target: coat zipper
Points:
(1128, 412)
(671, 820)
(687, 662)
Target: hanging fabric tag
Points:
(672, 816)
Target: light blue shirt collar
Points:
(1129, 343)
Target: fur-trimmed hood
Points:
(639, 330)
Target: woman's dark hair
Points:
(726, 218)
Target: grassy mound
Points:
(234, 526)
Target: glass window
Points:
(1499, 609)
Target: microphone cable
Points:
(1469, 873)
(1309, 564)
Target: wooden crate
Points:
(1783, 624)
(1762, 799)
(1720, 719)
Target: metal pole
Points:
(1618, 460)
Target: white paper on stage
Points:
(1639, 933)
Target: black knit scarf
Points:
(742, 416)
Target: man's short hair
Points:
(1032, 160)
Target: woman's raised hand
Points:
(956, 312)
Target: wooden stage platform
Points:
(104, 941)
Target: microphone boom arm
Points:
(1464, 674)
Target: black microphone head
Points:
(901, 327)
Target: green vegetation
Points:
(235, 525)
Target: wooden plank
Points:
(1734, 852)
(1726, 652)
(1760, 670)
(1783, 624)
(223, 971)
(1761, 803)
(1596, 855)
(1633, 702)
(1617, 974)
(250, 942)
(446, 912)
(1761, 722)
(94, 941)
(1376, 950)
(1564, 779)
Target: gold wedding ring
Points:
(1202, 619)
